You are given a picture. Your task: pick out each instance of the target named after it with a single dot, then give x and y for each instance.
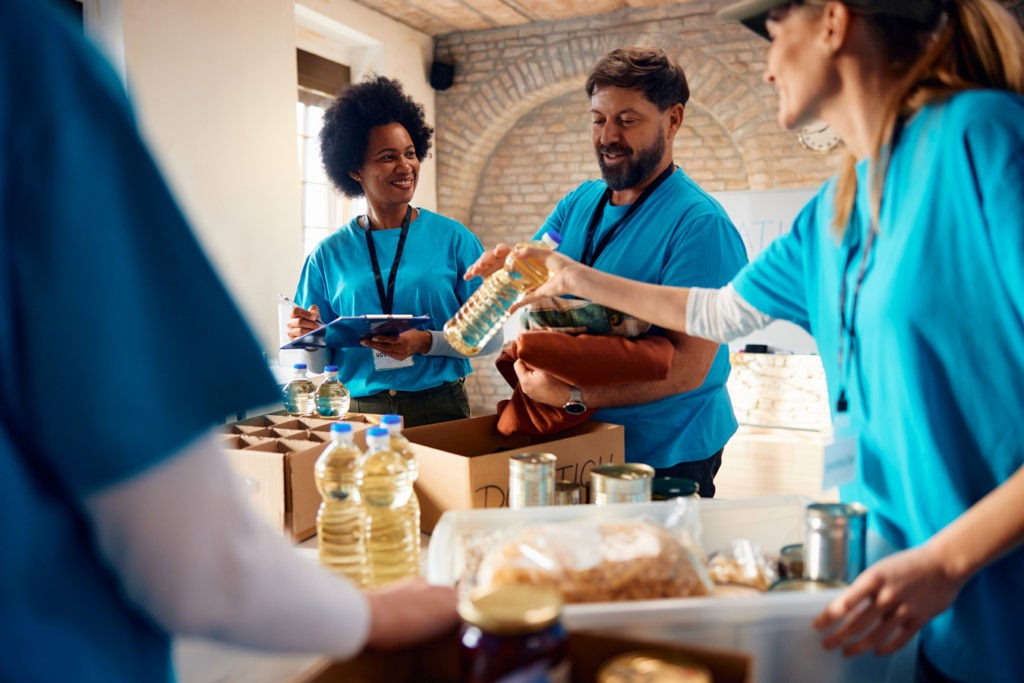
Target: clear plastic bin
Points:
(774, 628)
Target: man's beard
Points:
(638, 167)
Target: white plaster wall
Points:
(401, 52)
(214, 86)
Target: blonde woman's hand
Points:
(889, 603)
(563, 273)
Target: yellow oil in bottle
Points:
(341, 520)
(482, 316)
(386, 488)
(399, 444)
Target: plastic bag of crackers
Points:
(600, 560)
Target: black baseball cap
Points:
(754, 13)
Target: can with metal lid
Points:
(791, 562)
(627, 483)
(834, 547)
(568, 493)
(653, 667)
(667, 488)
(513, 633)
(804, 585)
(531, 480)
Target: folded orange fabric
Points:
(582, 361)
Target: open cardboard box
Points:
(278, 459)
(438, 662)
(464, 464)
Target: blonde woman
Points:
(908, 268)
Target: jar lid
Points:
(804, 585)
(653, 667)
(665, 488)
(513, 609)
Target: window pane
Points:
(314, 206)
(356, 207)
(314, 121)
(300, 118)
(311, 238)
(300, 155)
(314, 171)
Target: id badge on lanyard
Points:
(840, 454)
(381, 361)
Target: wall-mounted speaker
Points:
(441, 75)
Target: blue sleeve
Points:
(312, 290)
(708, 252)
(994, 147)
(556, 220)
(107, 303)
(775, 282)
(468, 251)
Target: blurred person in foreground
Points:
(647, 220)
(908, 269)
(122, 522)
(396, 259)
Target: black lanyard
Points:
(599, 213)
(387, 299)
(849, 328)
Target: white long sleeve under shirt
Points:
(721, 315)
(190, 552)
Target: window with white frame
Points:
(324, 209)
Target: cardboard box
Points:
(464, 464)
(438, 662)
(277, 459)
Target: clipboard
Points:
(347, 332)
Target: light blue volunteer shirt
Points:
(679, 237)
(338, 278)
(106, 307)
(937, 373)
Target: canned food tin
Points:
(791, 562)
(652, 667)
(568, 493)
(804, 585)
(531, 481)
(834, 547)
(628, 483)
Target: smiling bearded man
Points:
(648, 221)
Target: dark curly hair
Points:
(376, 101)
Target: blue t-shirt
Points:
(679, 237)
(338, 278)
(935, 381)
(105, 302)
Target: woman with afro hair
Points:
(372, 142)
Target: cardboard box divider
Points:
(235, 442)
(265, 421)
(438, 661)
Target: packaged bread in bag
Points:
(590, 561)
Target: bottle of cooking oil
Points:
(385, 489)
(482, 316)
(332, 398)
(341, 521)
(399, 444)
(300, 393)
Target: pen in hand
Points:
(291, 303)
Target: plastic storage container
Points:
(775, 628)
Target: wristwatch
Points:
(575, 406)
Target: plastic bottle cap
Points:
(331, 368)
(377, 436)
(392, 423)
(341, 432)
(552, 238)
(340, 427)
(300, 366)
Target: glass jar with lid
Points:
(513, 633)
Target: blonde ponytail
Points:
(979, 45)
